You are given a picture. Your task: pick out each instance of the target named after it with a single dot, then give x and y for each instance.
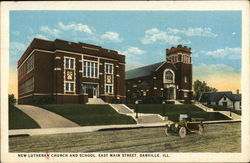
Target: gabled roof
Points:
(216, 96)
(142, 71)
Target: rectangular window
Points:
(106, 68)
(90, 69)
(30, 64)
(69, 63)
(109, 89)
(109, 68)
(84, 68)
(96, 69)
(69, 87)
(27, 86)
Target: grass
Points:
(19, 120)
(222, 108)
(173, 111)
(90, 115)
(217, 138)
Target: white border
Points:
(129, 5)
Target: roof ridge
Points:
(145, 66)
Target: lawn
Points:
(217, 138)
(90, 115)
(173, 111)
(19, 120)
(222, 108)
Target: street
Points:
(217, 138)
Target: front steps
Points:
(95, 101)
(142, 118)
(205, 108)
(232, 116)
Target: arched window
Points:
(169, 75)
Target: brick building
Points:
(69, 72)
(168, 80)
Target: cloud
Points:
(40, 36)
(17, 48)
(111, 36)
(133, 51)
(15, 33)
(153, 35)
(134, 56)
(204, 32)
(231, 53)
(47, 30)
(213, 69)
(220, 76)
(76, 27)
(234, 33)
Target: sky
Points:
(142, 36)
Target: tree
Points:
(201, 87)
(12, 100)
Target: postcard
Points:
(125, 81)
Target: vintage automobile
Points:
(184, 126)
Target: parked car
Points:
(185, 125)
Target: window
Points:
(27, 86)
(169, 75)
(185, 94)
(69, 87)
(185, 79)
(69, 63)
(109, 89)
(134, 85)
(225, 98)
(109, 68)
(30, 64)
(90, 69)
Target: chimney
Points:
(237, 91)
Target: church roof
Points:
(142, 71)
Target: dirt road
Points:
(218, 138)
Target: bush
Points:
(116, 101)
(42, 100)
(12, 100)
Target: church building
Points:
(69, 72)
(164, 81)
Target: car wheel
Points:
(182, 132)
(201, 130)
(166, 131)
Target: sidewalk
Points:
(47, 131)
(45, 118)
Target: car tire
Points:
(201, 130)
(166, 131)
(182, 132)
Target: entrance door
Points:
(170, 93)
(94, 92)
(90, 92)
(225, 104)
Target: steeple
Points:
(179, 54)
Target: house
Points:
(70, 72)
(163, 81)
(226, 99)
